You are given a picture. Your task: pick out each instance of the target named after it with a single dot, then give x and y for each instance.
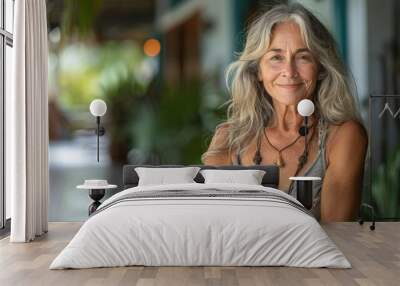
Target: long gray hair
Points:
(250, 107)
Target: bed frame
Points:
(271, 178)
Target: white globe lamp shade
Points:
(98, 107)
(305, 107)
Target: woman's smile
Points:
(290, 86)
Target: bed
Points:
(201, 224)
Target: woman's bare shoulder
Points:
(218, 141)
(346, 138)
(221, 133)
(350, 129)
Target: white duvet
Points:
(200, 231)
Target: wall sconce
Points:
(98, 108)
(305, 108)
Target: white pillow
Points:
(249, 177)
(162, 176)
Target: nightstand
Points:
(304, 190)
(97, 189)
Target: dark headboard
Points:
(271, 178)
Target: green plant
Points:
(162, 126)
(84, 69)
(79, 17)
(175, 126)
(123, 97)
(386, 187)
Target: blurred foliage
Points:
(175, 129)
(171, 126)
(386, 187)
(79, 17)
(122, 96)
(85, 69)
(162, 124)
(157, 124)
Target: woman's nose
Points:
(289, 69)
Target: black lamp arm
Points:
(100, 131)
(305, 137)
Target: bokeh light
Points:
(152, 47)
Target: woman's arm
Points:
(217, 140)
(342, 186)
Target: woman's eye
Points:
(276, 58)
(304, 57)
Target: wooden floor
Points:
(375, 256)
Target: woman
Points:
(289, 56)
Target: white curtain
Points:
(27, 123)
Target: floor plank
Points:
(374, 255)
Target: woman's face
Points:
(288, 70)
